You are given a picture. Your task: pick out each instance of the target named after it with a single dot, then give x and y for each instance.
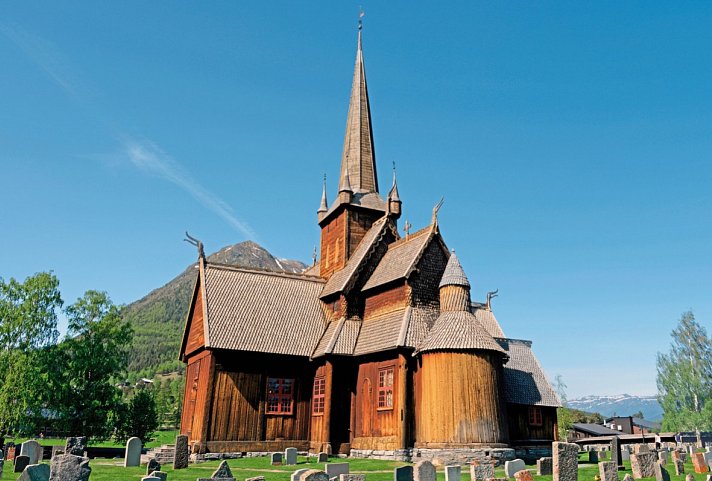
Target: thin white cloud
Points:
(151, 159)
(143, 154)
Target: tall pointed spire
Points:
(359, 152)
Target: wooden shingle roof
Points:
(524, 378)
(488, 321)
(400, 259)
(261, 311)
(458, 331)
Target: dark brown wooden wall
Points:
(333, 247)
(373, 428)
(196, 396)
(522, 433)
(238, 409)
(389, 300)
(196, 331)
(425, 280)
(359, 222)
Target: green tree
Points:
(138, 417)
(28, 332)
(91, 359)
(564, 415)
(685, 378)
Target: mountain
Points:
(158, 318)
(620, 405)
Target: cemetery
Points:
(569, 462)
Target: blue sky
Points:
(571, 142)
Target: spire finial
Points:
(406, 229)
(314, 256)
(393, 194)
(197, 243)
(361, 14)
(346, 181)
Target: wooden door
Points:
(191, 387)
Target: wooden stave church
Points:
(377, 350)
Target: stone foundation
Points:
(441, 457)
(530, 454)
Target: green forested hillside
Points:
(158, 318)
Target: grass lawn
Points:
(161, 438)
(376, 470)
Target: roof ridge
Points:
(526, 342)
(408, 238)
(267, 272)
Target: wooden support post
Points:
(403, 400)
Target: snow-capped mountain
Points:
(619, 405)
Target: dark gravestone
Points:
(616, 455)
(323, 457)
(313, 475)
(21, 462)
(661, 474)
(160, 475)
(223, 472)
(76, 445)
(35, 472)
(2, 465)
(68, 467)
(180, 461)
(152, 466)
(403, 473)
(276, 459)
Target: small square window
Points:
(280, 395)
(535, 418)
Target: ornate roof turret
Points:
(394, 202)
(454, 275)
(345, 185)
(323, 207)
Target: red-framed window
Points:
(280, 395)
(535, 418)
(318, 395)
(385, 388)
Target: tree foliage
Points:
(28, 332)
(684, 378)
(88, 364)
(137, 417)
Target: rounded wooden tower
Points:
(460, 379)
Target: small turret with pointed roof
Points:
(394, 202)
(454, 287)
(345, 190)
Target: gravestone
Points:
(68, 467)
(2, 465)
(32, 450)
(689, 477)
(9, 451)
(180, 460)
(608, 471)
(628, 477)
(160, 475)
(333, 470)
(35, 472)
(481, 470)
(223, 472)
(511, 467)
(313, 475)
(150, 478)
(152, 466)
(543, 467)
(708, 458)
(276, 459)
(643, 465)
(661, 474)
(641, 448)
(352, 477)
(453, 473)
(625, 455)
(56, 450)
(523, 475)
(616, 454)
(322, 457)
(133, 452)
(675, 455)
(565, 461)
(297, 473)
(255, 478)
(679, 466)
(75, 445)
(21, 462)
(403, 473)
(663, 457)
(290, 456)
(698, 461)
(593, 457)
(424, 471)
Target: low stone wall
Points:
(441, 456)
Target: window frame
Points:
(535, 416)
(281, 397)
(384, 388)
(319, 396)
